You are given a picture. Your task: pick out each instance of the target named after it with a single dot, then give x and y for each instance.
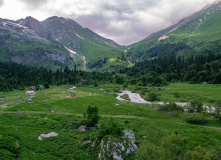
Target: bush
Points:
(47, 85)
(176, 94)
(125, 85)
(92, 116)
(196, 106)
(171, 107)
(194, 118)
(152, 97)
(110, 128)
(218, 118)
(139, 83)
(218, 107)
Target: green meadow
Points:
(53, 110)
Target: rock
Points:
(52, 134)
(86, 142)
(82, 128)
(116, 150)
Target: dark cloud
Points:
(124, 21)
(119, 21)
(129, 21)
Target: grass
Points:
(126, 97)
(20, 131)
(184, 92)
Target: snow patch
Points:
(79, 36)
(70, 50)
(163, 37)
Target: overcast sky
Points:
(124, 21)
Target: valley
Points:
(54, 110)
(67, 93)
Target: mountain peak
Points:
(31, 22)
(212, 4)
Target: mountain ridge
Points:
(55, 35)
(200, 31)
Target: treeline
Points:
(18, 76)
(194, 69)
(162, 50)
(97, 63)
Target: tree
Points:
(47, 85)
(92, 116)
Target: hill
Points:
(199, 33)
(55, 42)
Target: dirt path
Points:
(212, 127)
(201, 126)
(136, 98)
(80, 115)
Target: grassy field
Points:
(53, 110)
(184, 92)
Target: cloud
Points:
(1, 3)
(129, 21)
(34, 4)
(124, 21)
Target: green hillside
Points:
(200, 32)
(57, 42)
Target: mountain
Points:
(56, 42)
(198, 33)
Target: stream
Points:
(136, 98)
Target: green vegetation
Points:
(126, 97)
(171, 107)
(17, 76)
(197, 34)
(158, 134)
(92, 116)
(110, 127)
(157, 72)
(195, 118)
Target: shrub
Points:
(176, 94)
(92, 116)
(116, 90)
(218, 107)
(142, 93)
(125, 85)
(171, 107)
(152, 97)
(110, 128)
(218, 118)
(201, 153)
(194, 118)
(196, 106)
(126, 97)
(139, 83)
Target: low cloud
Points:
(124, 21)
(1, 3)
(34, 4)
